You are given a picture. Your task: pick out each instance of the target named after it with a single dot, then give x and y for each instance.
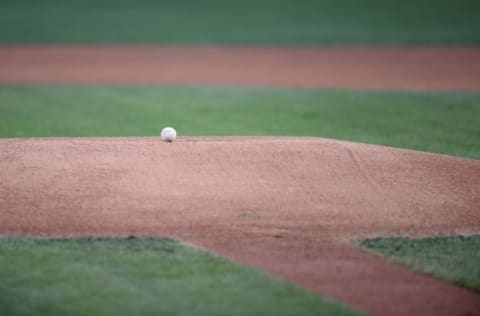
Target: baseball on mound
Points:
(168, 134)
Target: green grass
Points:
(140, 276)
(456, 259)
(446, 123)
(233, 21)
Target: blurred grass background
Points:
(440, 122)
(232, 21)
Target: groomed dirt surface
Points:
(287, 205)
(345, 67)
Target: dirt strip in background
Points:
(287, 205)
(343, 67)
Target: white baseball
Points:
(168, 134)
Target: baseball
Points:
(168, 134)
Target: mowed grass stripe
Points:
(454, 258)
(140, 276)
(439, 122)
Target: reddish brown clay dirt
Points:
(352, 67)
(287, 205)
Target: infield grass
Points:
(232, 21)
(455, 258)
(447, 123)
(140, 276)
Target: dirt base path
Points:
(345, 67)
(286, 205)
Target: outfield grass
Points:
(232, 21)
(140, 276)
(446, 123)
(456, 259)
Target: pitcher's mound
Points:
(284, 204)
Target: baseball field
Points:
(327, 161)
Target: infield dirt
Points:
(339, 67)
(287, 205)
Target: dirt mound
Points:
(287, 205)
(351, 67)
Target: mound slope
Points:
(287, 205)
